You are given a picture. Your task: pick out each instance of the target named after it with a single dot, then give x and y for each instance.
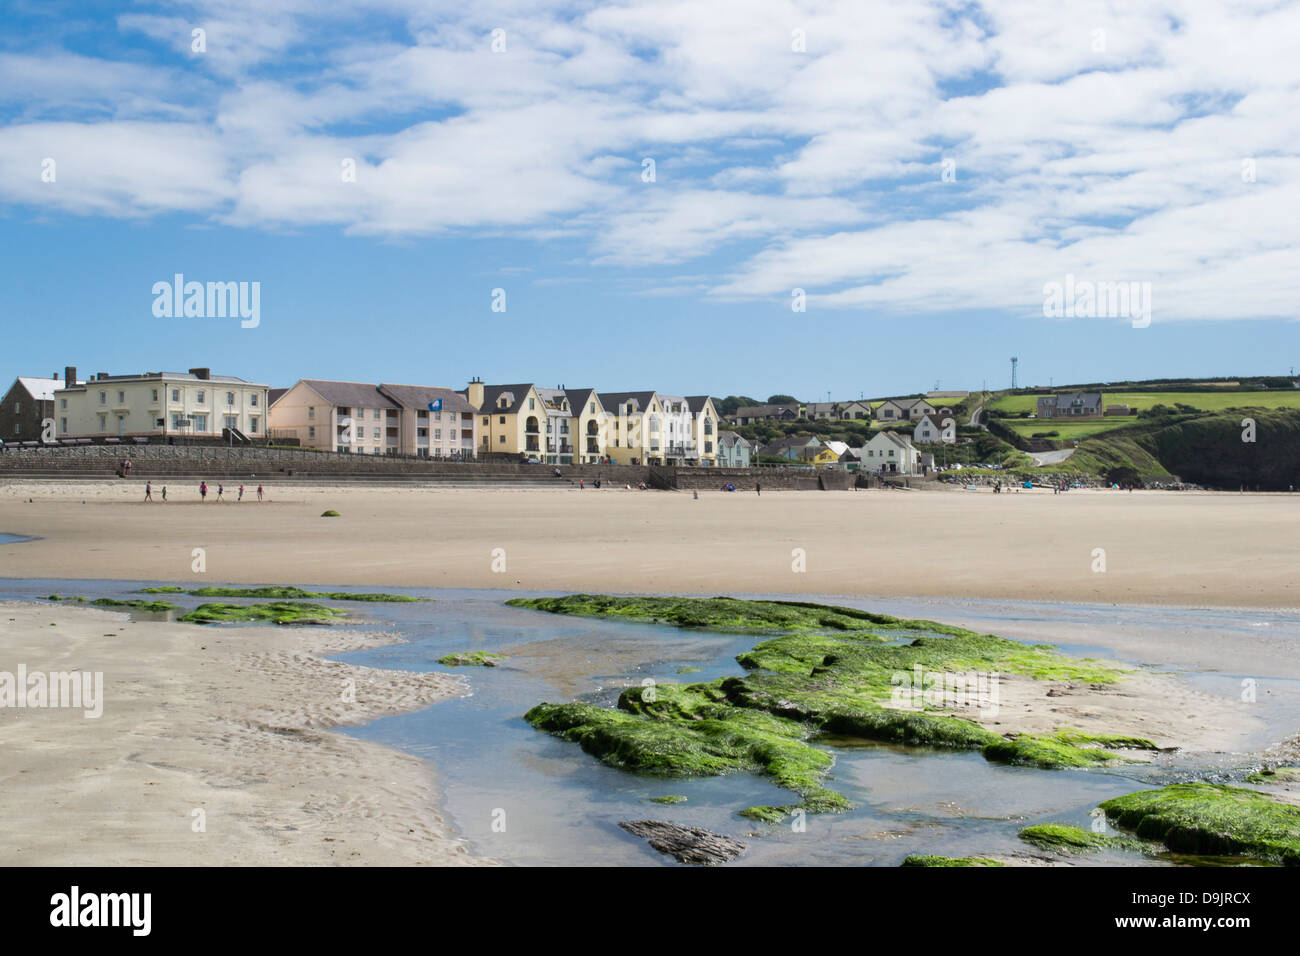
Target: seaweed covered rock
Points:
(1063, 838)
(1212, 819)
(926, 859)
(1065, 749)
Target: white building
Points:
(927, 432)
(160, 405)
(889, 453)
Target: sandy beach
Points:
(235, 722)
(226, 729)
(1198, 550)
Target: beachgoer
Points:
(758, 489)
(221, 490)
(203, 491)
(579, 484)
(259, 492)
(241, 493)
(148, 491)
(164, 493)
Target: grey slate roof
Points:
(418, 397)
(349, 394)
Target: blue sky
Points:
(1108, 146)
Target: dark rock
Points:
(686, 844)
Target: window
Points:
(252, 424)
(531, 404)
(376, 414)
(437, 434)
(376, 434)
(63, 425)
(502, 439)
(252, 399)
(230, 398)
(63, 403)
(176, 394)
(103, 423)
(422, 433)
(437, 416)
(121, 396)
(487, 420)
(18, 427)
(103, 398)
(176, 421)
(153, 394)
(593, 408)
(311, 412)
(200, 423)
(200, 397)
(18, 407)
(503, 421)
(311, 431)
(232, 422)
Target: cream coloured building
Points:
(193, 404)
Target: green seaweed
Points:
(281, 592)
(135, 604)
(1063, 838)
(727, 614)
(925, 859)
(276, 612)
(1059, 750)
(156, 607)
(331, 513)
(835, 671)
(1213, 820)
(669, 799)
(471, 659)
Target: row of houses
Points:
(887, 452)
(524, 420)
(890, 410)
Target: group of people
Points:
(203, 492)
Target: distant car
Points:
(533, 461)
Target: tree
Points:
(782, 400)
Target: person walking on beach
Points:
(203, 491)
(164, 492)
(148, 491)
(758, 489)
(221, 490)
(259, 492)
(241, 494)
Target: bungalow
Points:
(837, 411)
(888, 453)
(903, 409)
(1070, 405)
(748, 414)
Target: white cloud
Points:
(1086, 137)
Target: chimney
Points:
(102, 375)
(69, 376)
(475, 392)
(201, 373)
